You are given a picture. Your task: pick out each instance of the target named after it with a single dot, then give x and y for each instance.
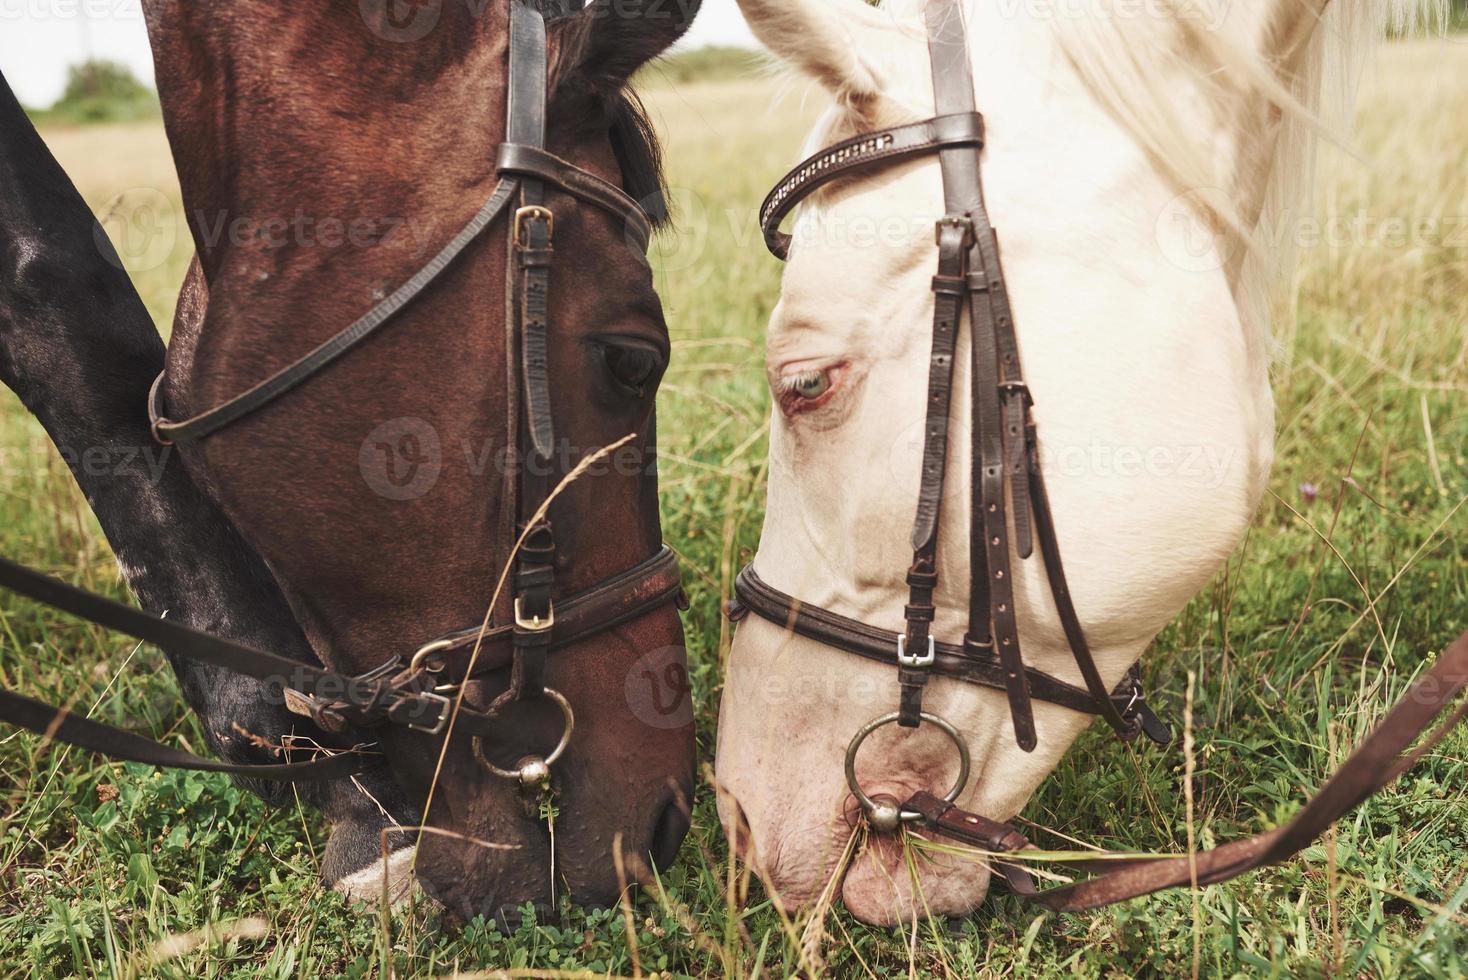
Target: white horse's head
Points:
(1136, 155)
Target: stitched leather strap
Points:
(523, 160)
(293, 375)
(634, 593)
(1007, 485)
(879, 645)
(1385, 755)
(922, 576)
(533, 240)
(60, 725)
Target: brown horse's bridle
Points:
(415, 691)
(1009, 488)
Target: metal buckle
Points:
(922, 660)
(962, 222)
(443, 715)
(534, 211)
(1018, 388)
(534, 624)
(1138, 693)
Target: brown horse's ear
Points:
(604, 44)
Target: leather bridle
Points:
(1007, 479)
(1009, 489)
(415, 691)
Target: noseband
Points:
(1009, 488)
(415, 691)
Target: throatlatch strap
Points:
(313, 363)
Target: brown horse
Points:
(324, 153)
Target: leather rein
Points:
(415, 691)
(1009, 489)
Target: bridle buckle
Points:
(920, 660)
(533, 212)
(1018, 388)
(533, 624)
(962, 222)
(444, 704)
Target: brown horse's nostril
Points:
(668, 832)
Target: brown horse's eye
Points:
(631, 367)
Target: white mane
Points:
(1116, 57)
(1119, 56)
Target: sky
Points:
(40, 38)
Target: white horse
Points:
(1139, 160)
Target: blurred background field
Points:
(1353, 576)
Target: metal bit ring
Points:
(868, 805)
(556, 753)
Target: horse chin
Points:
(391, 879)
(884, 886)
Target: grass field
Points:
(1336, 600)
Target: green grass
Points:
(1293, 664)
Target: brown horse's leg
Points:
(78, 347)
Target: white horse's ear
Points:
(823, 38)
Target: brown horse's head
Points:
(326, 153)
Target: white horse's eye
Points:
(809, 385)
(807, 389)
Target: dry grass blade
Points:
(173, 947)
(813, 936)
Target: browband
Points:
(862, 152)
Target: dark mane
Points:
(640, 156)
(634, 140)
